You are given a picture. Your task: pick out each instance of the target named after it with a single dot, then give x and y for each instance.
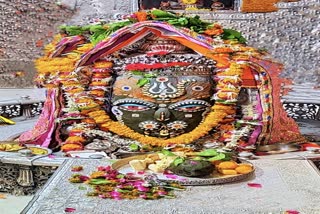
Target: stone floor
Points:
(13, 204)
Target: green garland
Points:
(100, 31)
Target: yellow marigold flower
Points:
(98, 174)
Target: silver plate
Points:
(215, 178)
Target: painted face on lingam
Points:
(163, 102)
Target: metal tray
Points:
(215, 178)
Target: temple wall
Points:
(290, 34)
(25, 27)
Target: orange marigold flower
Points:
(97, 113)
(75, 140)
(214, 30)
(71, 147)
(103, 64)
(98, 174)
(141, 16)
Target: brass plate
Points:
(39, 150)
(4, 146)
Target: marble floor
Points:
(11, 204)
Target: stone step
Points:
(302, 93)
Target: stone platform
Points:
(41, 168)
(286, 185)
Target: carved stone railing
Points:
(23, 180)
(302, 102)
(24, 176)
(21, 102)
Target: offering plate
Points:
(212, 179)
(15, 147)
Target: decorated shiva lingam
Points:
(159, 83)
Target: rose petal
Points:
(291, 212)
(84, 178)
(101, 196)
(115, 194)
(51, 156)
(116, 198)
(167, 172)
(162, 193)
(69, 210)
(140, 172)
(144, 196)
(171, 176)
(142, 189)
(138, 183)
(193, 162)
(130, 174)
(255, 185)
